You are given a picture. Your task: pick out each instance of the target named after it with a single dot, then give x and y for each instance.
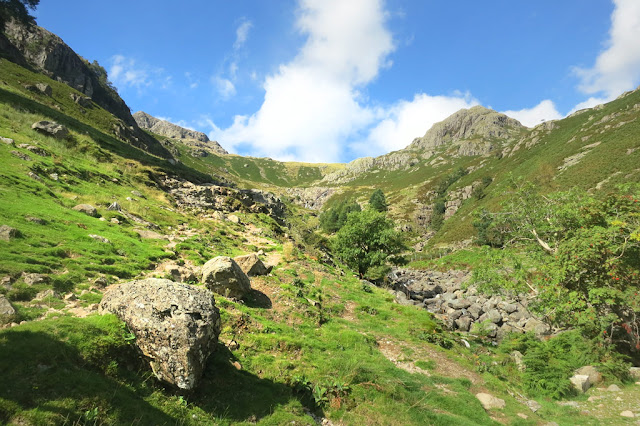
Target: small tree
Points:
(368, 239)
(18, 9)
(378, 201)
(335, 217)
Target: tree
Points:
(334, 217)
(368, 239)
(18, 9)
(378, 201)
(582, 255)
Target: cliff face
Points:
(191, 137)
(28, 44)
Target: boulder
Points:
(176, 326)
(86, 209)
(594, 375)
(50, 128)
(115, 207)
(580, 382)
(251, 265)
(463, 323)
(5, 306)
(634, 372)
(31, 279)
(44, 88)
(538, 327)
(489, 401)
(83, 101)
(8, 233)
(613, 388)
(222, 275)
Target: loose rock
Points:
(176, 326)
(5, 306)
(489, 401)
(251, 265)
(8, 233)
(86, 209)
(222, 275)
(56, 130)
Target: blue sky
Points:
(333, 80)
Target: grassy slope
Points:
(310, 338)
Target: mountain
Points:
(114, 233)
(170, 130)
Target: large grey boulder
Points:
(176, 326)
(251, 265)
(594, 375)
(580, 382)
(50, 128)
(222, 275)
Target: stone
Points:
(523, 416)
(83, 101)
(101, 282)
(70, 297)
(35, 149)
(115, 207)
(494, 316)
(31, 279)
(100, 238)
(613, 388)
(5, 306)
(222, 275)
(475, 311)
(36, 220)
(463, 323)
(176, 326)
(251, 265)
(87, 209)
(47, 293)
(233, 218)
(44, 88)
(580, 382)
(489, 401)
(460, 304)
(594, 375)
(538, 327)
(149, 235)
(533, 405)
(50, 128)
(136, 193)
(634, 372)
(34, 176)
(627, 413)
(8, 233)
(8, 141)
(518, 359)
(21, 155)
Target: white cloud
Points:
(407, 120)
(312, 104)
(531, 117)
(225, 87)
(617, 68)
(242, 34)
(125, 72)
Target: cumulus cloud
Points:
(125, 72)
(242, 33)
(617, 68)
(531, 117)
(225, 87)
(407, 120)
(313, 104)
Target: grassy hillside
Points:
(311, 342)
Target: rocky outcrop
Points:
(176, 326)
(49, 128)
(28, 44)
(251, 265)
(463, 309)
(8, 233)
(478, 123)
(222, 275)
(5, 307)
(311, 198)
(489, 401)
(170, 130)
(207, 197)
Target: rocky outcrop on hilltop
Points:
(477, 123)
(461, 307)
(28, 44)
(197, 140)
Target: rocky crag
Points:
(197, 140)
(31, 45)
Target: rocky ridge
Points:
(195, 139)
